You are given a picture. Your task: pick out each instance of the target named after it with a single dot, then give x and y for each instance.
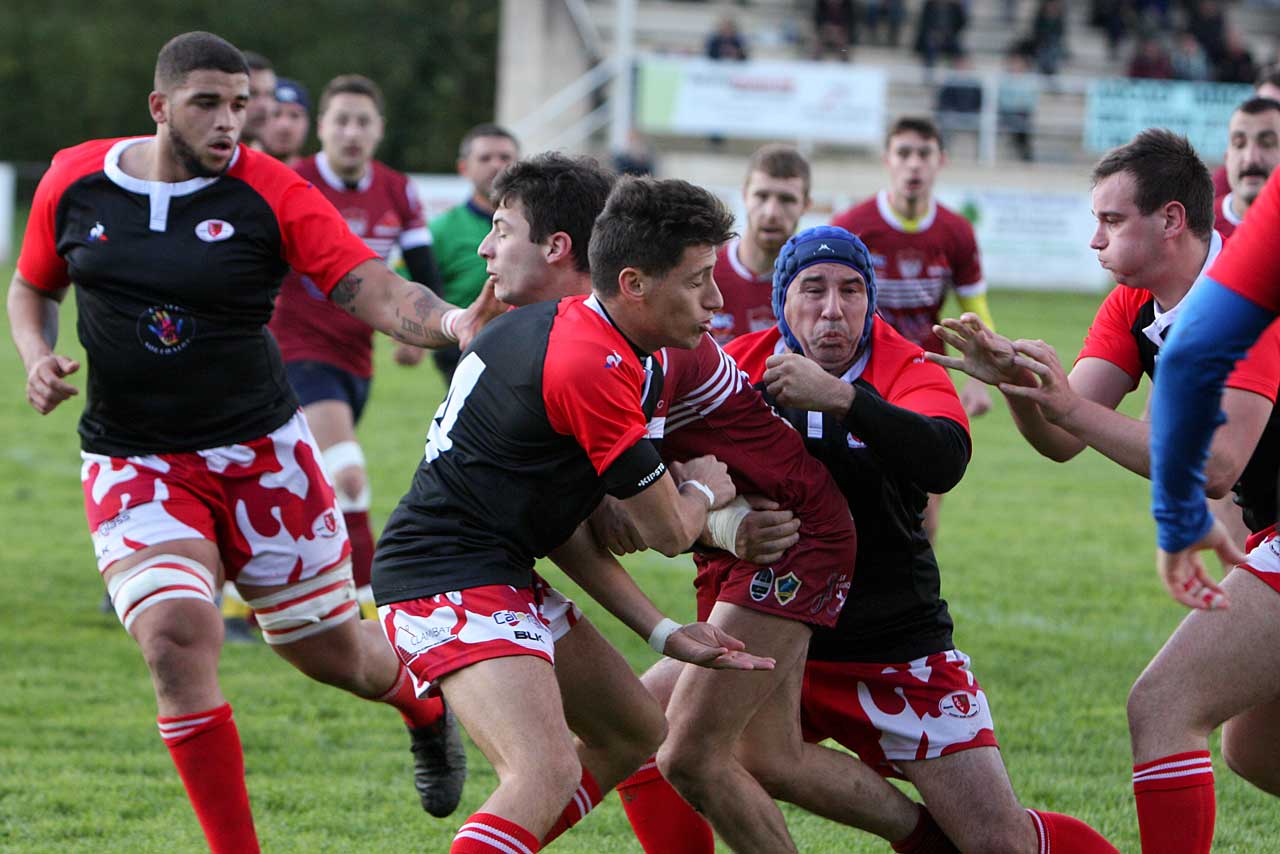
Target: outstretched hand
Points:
(985, 355)
(707, 646)
(1184, 573)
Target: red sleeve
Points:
(966, 264)
(39, 262)
(1247, 264)
(592, 392)
(1259, 370)
(925, 388)
(316, 240)
(1110, 337)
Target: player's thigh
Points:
(1251, 745)
(603, 700)
(971, 798)
(1216, 664)
(512, 710)
(331, 422)
(660, 679)
(709, 709)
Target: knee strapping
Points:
(347, 455)
(307, 608)
(158, 579)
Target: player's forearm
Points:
(407, 311)
(932, 452)
(1116, 436)
(33, 321)
(1052, 442)
(597, 572)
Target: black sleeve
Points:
(932, 452)
(422, 268)
(635, 470)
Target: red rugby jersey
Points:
(383, 210)
(915, 269)
(1249, 268)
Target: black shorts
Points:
(317, 381)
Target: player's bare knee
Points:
(685, 767)
(345, 464)
(350, 484)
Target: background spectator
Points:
(1151, 60)
(835, 24)
(1049, 35)
(891, 14)
(726, 42)
(938, 30)
(1016, 104)
(1189, 60)
(1236, 64)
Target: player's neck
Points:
(352, 177)
(481, 202)
(1238, 206)
(568, 283)
(910, 210)
(1171, 285)
(754, 258)
(154, 160)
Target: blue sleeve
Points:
(1213, 331)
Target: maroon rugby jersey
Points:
(748, 298)
(914, 269)
(175, 284)
(382, 210)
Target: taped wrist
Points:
(723, 524)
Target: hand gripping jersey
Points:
(709, 407)
(546, 413)
(175, 285)
(382, 210)
(914, 269)
(1125, 333)
(895, 610)
(748, 305)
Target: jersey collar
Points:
(731, 250)
(593, 302)
(1227, 213)
(1158, 328)
(889, 215)
(331, 178)
(160, 192)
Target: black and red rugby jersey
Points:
(547, 411)
(895, 610)
(175, 284)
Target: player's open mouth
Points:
(222, 146)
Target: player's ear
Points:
(1175, 218)
(558, 247)
(632, 284)
(156, 104)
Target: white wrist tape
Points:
(701, 487)
(658, 637)
(449, 323)
(723, 524)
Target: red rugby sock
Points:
(416, 712)
(583, 801)
(205, 747)
(361, 536)
(484, 833)
(1058, 832)
(926, 838)
(1175, 803)
(663, 822)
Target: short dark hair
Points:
(1269, 74)
(487, 129)
(196, 51)
(780, 161)
(557, 193)
(352, 84)
(1256, 105)
(256, 61)
(648, 224)
(922, 125)
(1165, 168)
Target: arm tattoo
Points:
(345, 292)
(420, 319)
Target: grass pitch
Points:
(1048, 569)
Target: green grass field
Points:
(1048, 569)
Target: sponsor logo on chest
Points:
(215, 230)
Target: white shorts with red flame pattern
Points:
(887, 713)
(440, 634)
(266, 504)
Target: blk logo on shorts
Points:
(959, 704)
(761, 584)
(214, 230)
(786, 588)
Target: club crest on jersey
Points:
(166, 329)
(910, 263)
(98, 233)
(959, 704)
(215, 230)
(786, 588)
(761, 584)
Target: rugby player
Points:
(328, 356)
(921, 250)
(1267, 85)
(1253, 151)
(197, 463)
(485, 151)
(262, 98)
(1152, 199)
(776, 195)
(546, 413)
(890, 428)
(286, 133)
